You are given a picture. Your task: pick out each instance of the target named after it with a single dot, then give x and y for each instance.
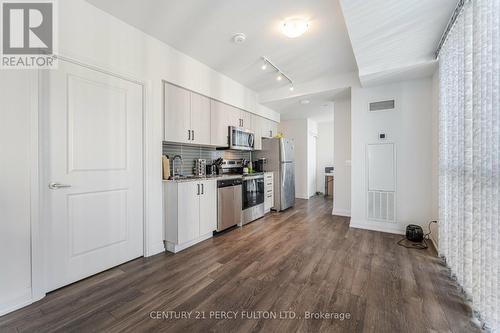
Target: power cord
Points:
(414, 245)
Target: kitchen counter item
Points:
(166, 166)
(200, 167)
(260, 164)
(183, 179)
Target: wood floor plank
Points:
(285, 264)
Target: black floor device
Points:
(415, 237)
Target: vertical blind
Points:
(469, 149)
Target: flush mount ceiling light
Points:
(279, 73)
(294, 27)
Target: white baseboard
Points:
(155, 249)
(392, 228)
(16, 302)
(174, 248)
(341, 212)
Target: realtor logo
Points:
(28, 34)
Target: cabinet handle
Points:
(193, 134)
(198, 189)
(202, 188)
(189, 135)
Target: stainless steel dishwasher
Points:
(228, 203)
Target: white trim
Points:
(341, 212)
(392, 228)
(172, 247)
(18, 302)
(155, 249)
(37, 254)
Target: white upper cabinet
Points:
(177, 114)
(196, 119)
(222, 116)
(269, 129)
(257, 127)
(200, 119)
(187, 116)
(246, 119)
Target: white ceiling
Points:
(320, 108)
(393, 35)
(203, 30)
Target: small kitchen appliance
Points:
(200, 167)
(241, 138)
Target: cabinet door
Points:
(219, 133)
(177, 114)
(200, 119)
(222, 116)
(270, 128)
(257, 128)
(273, 128)
(246, 119)
(266, 128)
(189, 212)
(208, 207)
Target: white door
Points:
(189, 211)
(177, 114)
(94, 129)
(200, 119)
(208, 207)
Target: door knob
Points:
(55, 186)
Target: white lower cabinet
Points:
(190, 212)
(268, 191)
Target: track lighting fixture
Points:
(280, 75)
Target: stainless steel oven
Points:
(241, 138)
(252, 197)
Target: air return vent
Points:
(381, 206)
(382, 105)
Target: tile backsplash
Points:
(191, 153)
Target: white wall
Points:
(325, 148)
(342, 157)
(435, 157)
(410, 128)
(312, 137)
(15, 193)
(297, 130)
(94, 37)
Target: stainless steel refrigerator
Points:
(279, 155)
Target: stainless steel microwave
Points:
(241, 138)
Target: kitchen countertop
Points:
(195, 179)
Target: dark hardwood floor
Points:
(302, 260)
